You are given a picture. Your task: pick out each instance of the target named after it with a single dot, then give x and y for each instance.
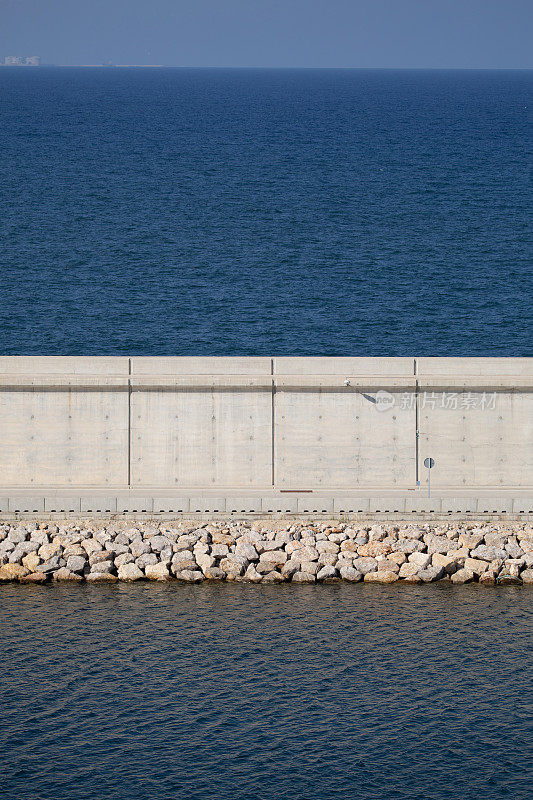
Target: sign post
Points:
(429, 463)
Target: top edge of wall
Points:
(61, 365)
(200, 365)
(344, 365)
(483, 367)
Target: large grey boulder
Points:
(350, 574)
(430, 574)
(365, 565)
(76, 563)
(488, 553)
(303, 577)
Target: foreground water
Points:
(265, 212)
(255, 692)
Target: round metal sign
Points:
(429, 463)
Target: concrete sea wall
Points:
(267, 551)
(260, 435)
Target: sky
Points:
(472, 34)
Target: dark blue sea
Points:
(280, 212)
(243, 692)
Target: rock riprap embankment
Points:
(266, 552)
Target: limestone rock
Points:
(64, 574)
(157, 572)
(365, 565)
(463, 575)
(34, 577)
(527, 576)
(350, 574)
(422, 560)
(190, 575)
(12, 572)
(273, 577)
(303, 577)
(408, 570)
(373, 549)
(488, 578)
(488, 553)
(158, 543)
(430, 574)
(290, 568)
(76, 563)
(326, 572)
(101, 577)
(449, 563)
(130, 572)
(252, 574)
(381, 577)
(214, 574)
(476, 565)
(31, 561)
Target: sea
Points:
(265, 212)
(247, 692)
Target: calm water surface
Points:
(261, 693)
(265, 212)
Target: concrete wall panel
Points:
(342, 440)
(63, 438)
(201, 438)
(477, 438)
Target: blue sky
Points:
(272, 33)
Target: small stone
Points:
(527, 576)
(130, 572)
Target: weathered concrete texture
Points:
(266, 425)
(266, 551)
